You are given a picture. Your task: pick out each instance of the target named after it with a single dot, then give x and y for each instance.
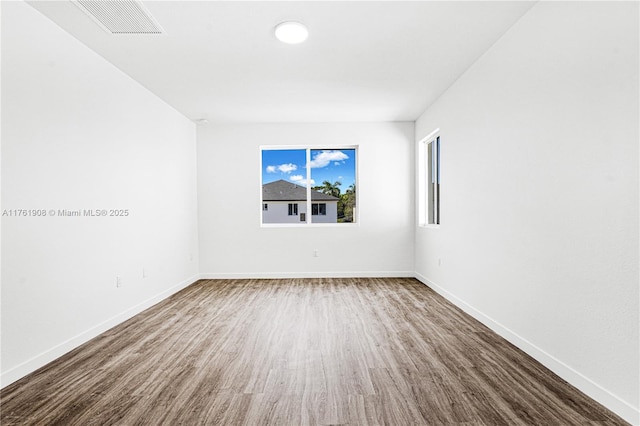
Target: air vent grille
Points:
(120, 16)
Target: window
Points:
(433, 162)
(319, 209)
(429, 180)
(321, 181)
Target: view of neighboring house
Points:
(286, 202)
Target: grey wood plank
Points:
(374, 351)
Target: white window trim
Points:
(309, 224)
(421, 176)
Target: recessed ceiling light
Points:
(291, 32)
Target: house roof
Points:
(281, 190)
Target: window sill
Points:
(309, 225)
(429, 226)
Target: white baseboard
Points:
(31, 365)
(575, 378)
(346, 274)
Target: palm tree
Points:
(351, 189)
(348, 203)
(327, 187)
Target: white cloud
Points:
(271, 169)
(325, 157)
(287, 168)
(299, 179)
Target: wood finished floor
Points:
(299, 352)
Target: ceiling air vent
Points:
(120, 16)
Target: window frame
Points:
(309, 218)
(429, 179)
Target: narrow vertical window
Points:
(433, 181)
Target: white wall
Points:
(79, 134)
(232, 242)
(539, 234)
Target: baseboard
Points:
(575, 378)
(346, 274)
(31, 365)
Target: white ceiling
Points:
(363, 61)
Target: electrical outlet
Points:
(315, 253)
(118, 281)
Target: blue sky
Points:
(326, 164)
